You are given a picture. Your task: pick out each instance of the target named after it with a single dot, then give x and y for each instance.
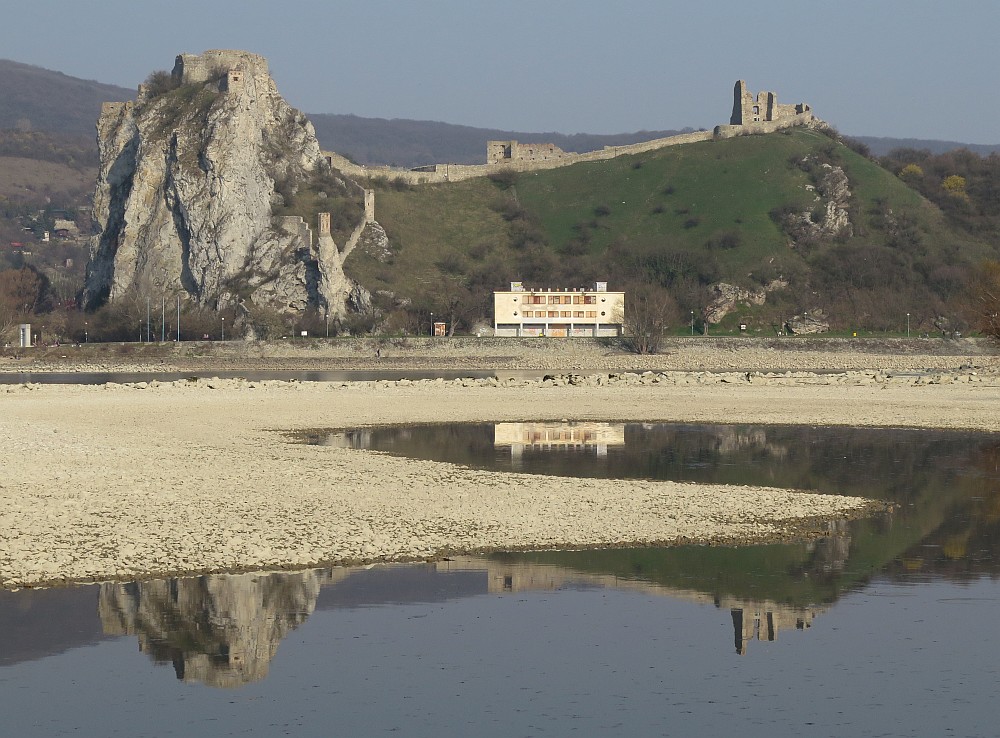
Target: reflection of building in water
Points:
(760, 619)
(553, 435)
(221, 630)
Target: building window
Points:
(602, 313)
(553, 299)
(528, 314)
(577, 313)
(553, 313)
(591, 313)
(590, 299)
(577, 299)
(566, 314)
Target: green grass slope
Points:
(682, 218)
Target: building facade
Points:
(574, 312)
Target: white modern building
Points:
(558, 312)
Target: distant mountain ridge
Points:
(410, 143)
(880, 145)
(40, 99)
(37, 99)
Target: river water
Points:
(882, 627)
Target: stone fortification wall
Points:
(502, 152)
(751, 115)
(191, 68)
(437, 173)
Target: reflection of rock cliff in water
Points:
(222, 630)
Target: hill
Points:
(750, 211)
(38, 99)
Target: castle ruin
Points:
(193, 68)
(749, 111)
(499, 152)
(751, 115)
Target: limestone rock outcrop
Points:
(725, 298)
(830, 217)
(812, 321)
(191, 176)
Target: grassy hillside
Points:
(681, 218)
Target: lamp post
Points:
(223, 328)
(432, 324)
(692, 322)
(907, 325)
(86, 335)
(326, 317)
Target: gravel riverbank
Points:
(152, 479)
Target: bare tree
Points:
(985, 299)
(649, 311)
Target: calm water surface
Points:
(883, 627)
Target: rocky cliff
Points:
(195, 189)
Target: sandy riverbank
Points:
(120, 482)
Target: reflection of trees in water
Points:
(966, 543)
(221, 630)
(944, 483)
(887, 464)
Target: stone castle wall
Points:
(436, 173)
(192, 68)
(764, 108)
(755, 115)
(502, 152)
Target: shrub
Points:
(504, 179)
(160, 82)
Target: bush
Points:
(504, 179)
(160, 82)
(724, 240)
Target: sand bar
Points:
(121, 482)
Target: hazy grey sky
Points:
(905, 68)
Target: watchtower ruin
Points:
(764, 108)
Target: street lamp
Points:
(692, 322)
(86, 335)
(223, 328)
(432, 324)
(907, 325)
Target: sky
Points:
(898, 68)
